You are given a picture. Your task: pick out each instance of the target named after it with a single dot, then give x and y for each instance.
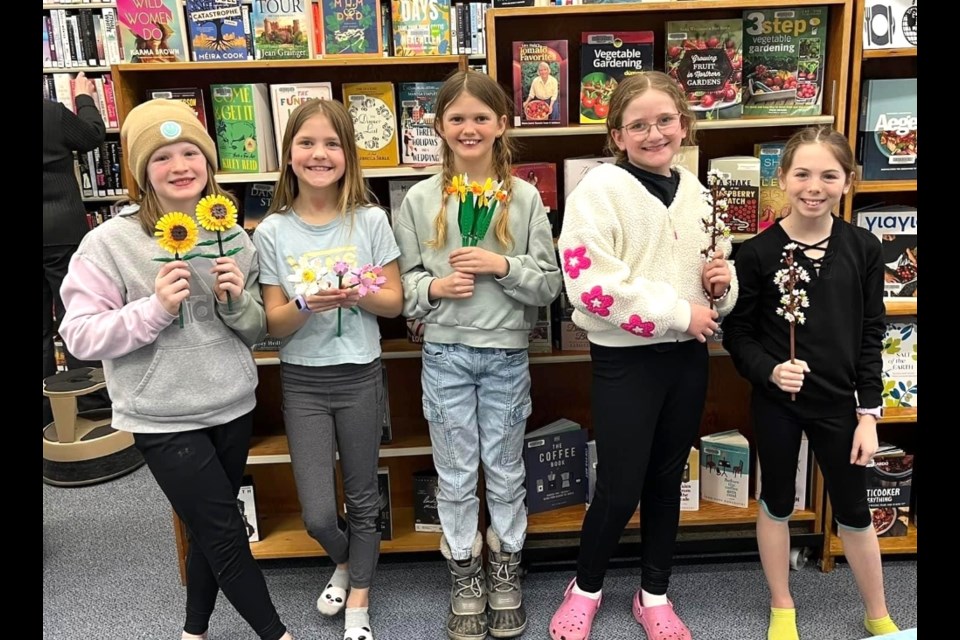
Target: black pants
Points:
(647, 404)
(778, 431)
(56, 259)
(200, 472)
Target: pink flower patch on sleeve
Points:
(575, 261)
(638, 327)
(597, 302)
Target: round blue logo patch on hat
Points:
(171, 130)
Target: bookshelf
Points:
(868, 64)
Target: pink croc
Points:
(574, 618)
(660, 622)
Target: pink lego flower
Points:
(370, 278)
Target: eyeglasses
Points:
(666, 124)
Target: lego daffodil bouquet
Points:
(478, 203)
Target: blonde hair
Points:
(491, 94)
(352, 189)
(151, 209)
(832, 140)
(635, 86)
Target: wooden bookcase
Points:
(896, 424)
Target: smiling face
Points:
(469, 127)
(652, 151)
(814, 182)
(543, 70)
(178, 174)
(316, 155)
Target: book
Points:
(896, 227)
(284, 98)
(725, 468)
(784, 53)
(374, 113)
(773, 202)
(542, 175)
(574, 169)
(385, 517)
(606, 58)
(690, 482)
(217, 30)
(554, 456)
(887, 141)
(705, 58)
(421, 27)
(540, 338)
(899, 357)
(281, 30)
(889, 24)
(191, 96)
(425, 489)
(256, 203)
(801, 479)
(418, 111)
(247, 504)
(889, 485)
(540, 70)
(386, 421)
(151, 31)
(244, 129)
(350, 27)
(591, 463)
(742, 174)
(398, 188)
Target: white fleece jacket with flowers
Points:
(632, 267)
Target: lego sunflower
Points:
(176, 233)
(216, 213)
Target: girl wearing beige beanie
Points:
(186, 393)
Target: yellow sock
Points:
(783, 624)
(880, 626)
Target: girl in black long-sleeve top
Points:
(836, 378)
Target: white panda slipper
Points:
(332, 600)
(358, 633)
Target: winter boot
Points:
(468, 596)
(506, 615)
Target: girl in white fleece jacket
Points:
(631, 245)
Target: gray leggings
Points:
(326, 410)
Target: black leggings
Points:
(647, 403)
(200, 472)
(778, 432)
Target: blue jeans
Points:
(477, 402)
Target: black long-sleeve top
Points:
(64, 216)
(842, 335)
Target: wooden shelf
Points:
(76, 69)
(103, 198)
(899, 544)
(403, 171)
(898, 415)
(874, 54)
(89, 5)
(570, 519)
(739, 123)
(275, 449)
(885, 186)
(248, 65)
(284, 537)
(398, 348)
(901, 308)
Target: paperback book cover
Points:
(690, 482)
(889, 485)
(151, 31)
(540, 83)
(606, 58)
(742, 174)
(896, 227)
(386, 421)
(887, 146)
(899, 354)
(244, 129)
(425, 489)
(281, 29)
(350, 27)
(374, 113)
(217, 30)
(418, 110)
(421, 27)
(705, 58)
(284, 98)
(256, 203)
(554, 456)
(773, 202)
(725, 468)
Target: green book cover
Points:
(244, 139)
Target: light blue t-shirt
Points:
(283, 238)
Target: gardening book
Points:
(554, 456)
(896, 228)
(218, 30)
(350, 27)
(725, 468)
(705, 58)
(606, 58)
(784, 52)
(540, 84)
(244, 129)
(899, 354)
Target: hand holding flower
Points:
(477, 261)
(229, 279)
(172, 285)
(716, 275)
(325, 299)
(351, 296)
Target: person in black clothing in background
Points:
(64, 216)
(836, 379)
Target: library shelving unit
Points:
(896, 424)
(282, 531)
(727, 398)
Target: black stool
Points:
(82, 448)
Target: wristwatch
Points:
(301, 303)
(876, 412)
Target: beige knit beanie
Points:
(157, 123)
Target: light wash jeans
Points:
(477, 402)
